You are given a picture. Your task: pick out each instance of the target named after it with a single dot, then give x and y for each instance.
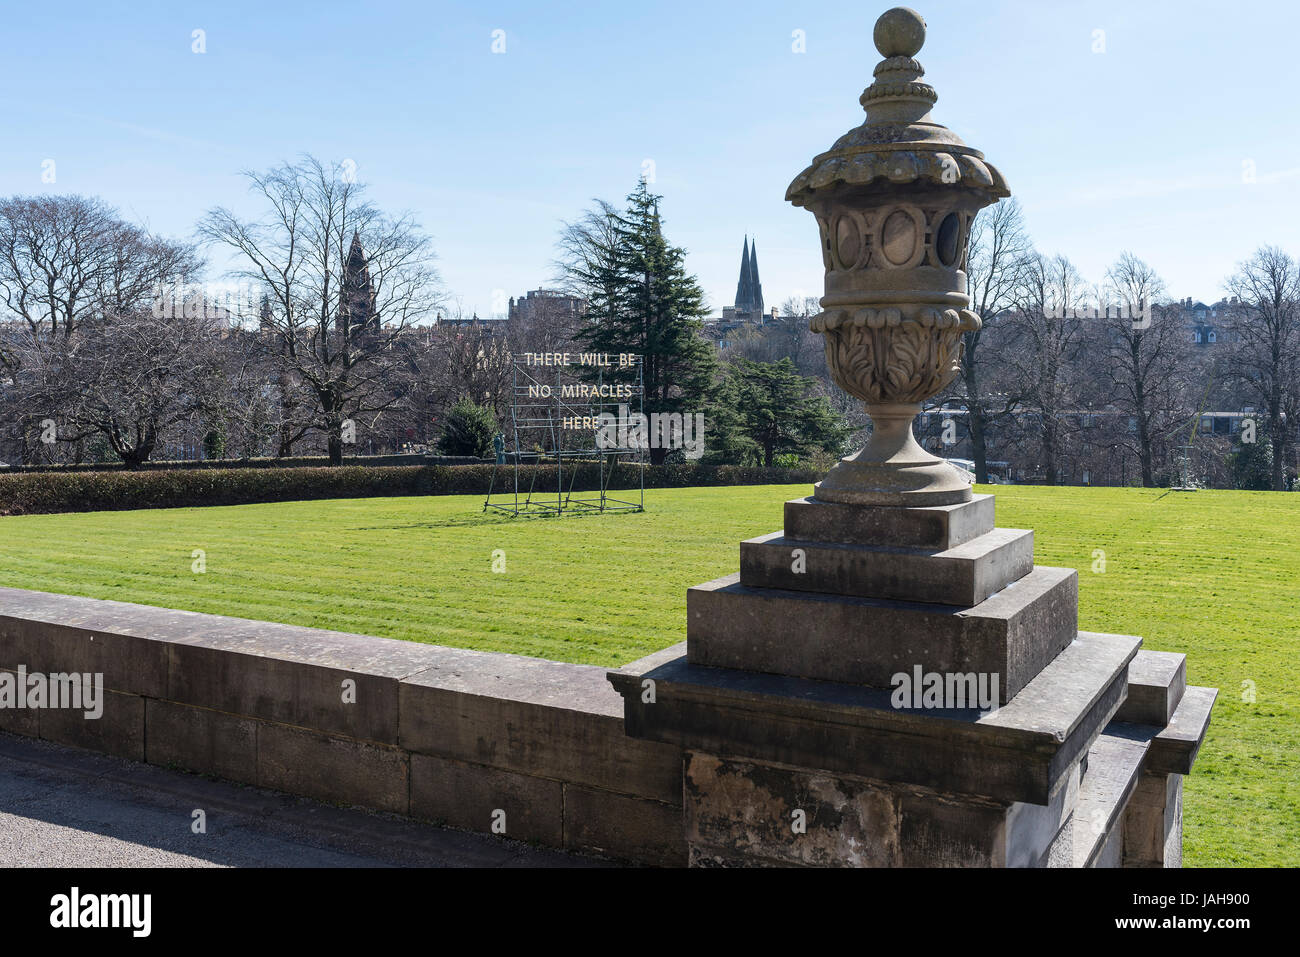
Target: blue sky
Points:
(1140, 147)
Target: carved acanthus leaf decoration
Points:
(907, 362)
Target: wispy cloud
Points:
(1123, 190)
(148, 132)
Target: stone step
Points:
(1111, 775)
(964, 575)
(937, 527)
(1024, 751)
(1156, 682)
(1174, 749)
(1013, 634)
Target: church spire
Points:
(743, 288)
(755, 287)
(356, 293)
(749, 291)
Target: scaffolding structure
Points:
(1186, 475)
(556, 412)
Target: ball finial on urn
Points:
(899, 32)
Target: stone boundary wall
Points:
(440, 734)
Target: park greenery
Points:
(342, 340)
(468, 429)
(1211, 574)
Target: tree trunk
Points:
(134, 458)
(978, 441)
(1144, 450)
(976, 422)
(1278, 438)
(1049, 448)
(1140, 412)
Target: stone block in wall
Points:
(330, 768)
(119, 731)
(330, 681)
(744, 810)
(624, 827)
(18, 720)
(198, 739)
(477, 798)
(125, 643)
(541, 718)
(1153, 823)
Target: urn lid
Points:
(898, 142)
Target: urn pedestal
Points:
(799, 751)
(889, 680)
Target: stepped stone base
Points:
(1018, 752)
(791, 772)
(939, 527)
(1043, 746)
(964, 575)
(1013, 634)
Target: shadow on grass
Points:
(495, 518)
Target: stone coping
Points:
(468, 671)
(1019, 752)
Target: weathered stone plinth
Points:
(798, 751)
(867, 640)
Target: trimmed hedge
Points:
(289, 462)
(43, 493)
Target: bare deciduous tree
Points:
(1264, 353)
(997, 254)
(1042, 348)
(127, 380)
(586, 262)
(1146, 347)
(68, 264)
(314, 213)
(65, 259)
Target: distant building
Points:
(549, 305)
(1206, 325)
(491, 326)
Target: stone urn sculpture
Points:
(791, 697)
(894, 200)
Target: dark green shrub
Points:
(64, 491)
(468, 430)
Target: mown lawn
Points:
(1212, 574)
